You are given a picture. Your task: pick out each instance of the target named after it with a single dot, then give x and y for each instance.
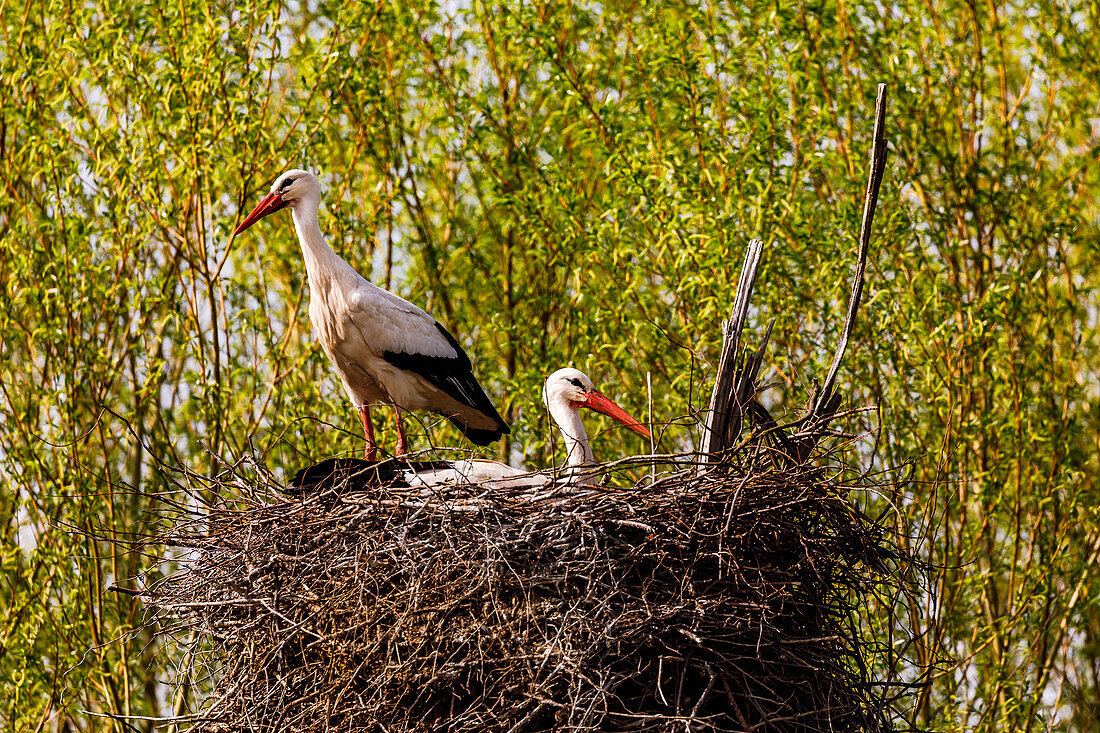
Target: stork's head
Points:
(572, 388)
(289, 189)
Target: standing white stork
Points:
(385, 349)
(565, 392)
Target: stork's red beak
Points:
(271, 203)
(601, 403)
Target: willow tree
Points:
(563, 184)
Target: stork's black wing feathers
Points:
(454, 375)
(356, 474)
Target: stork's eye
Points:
(575, 382)
(286, 183)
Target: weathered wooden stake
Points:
(724, 417)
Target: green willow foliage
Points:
(559, 184)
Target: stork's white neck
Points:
(568, 417)
(319, 258)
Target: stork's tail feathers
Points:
(481, 437)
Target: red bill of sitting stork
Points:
(385, 349)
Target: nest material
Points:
(725, 601)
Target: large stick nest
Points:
(726, 601)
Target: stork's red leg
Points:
(371, 451)
(402, 441)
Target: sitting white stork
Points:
(566, 391)
(385, 349)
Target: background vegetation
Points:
(560, 184)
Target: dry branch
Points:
(827, 400)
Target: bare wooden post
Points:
(725, 415)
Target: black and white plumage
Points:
(566, 391)
(385, 349)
